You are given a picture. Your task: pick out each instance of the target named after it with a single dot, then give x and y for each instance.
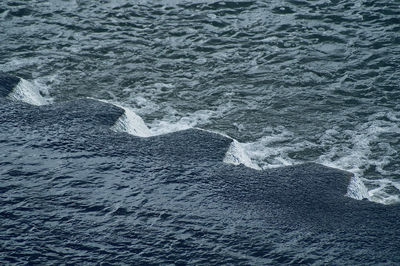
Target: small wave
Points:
(133, 124)
(272, 156)
(236, 155)
(130, 122)
(357, 189)
(355, 151)
(249, 153)
(28, 92)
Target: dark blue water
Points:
(293, 82)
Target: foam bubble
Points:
(28, 92)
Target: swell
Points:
(22, 90)
(73, 182)
(131, 123)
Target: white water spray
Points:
(26, 91)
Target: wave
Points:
(74, 167)
(236, 155)
(28, 92)
(359, 155)
(355, 155)
(129, 122)
(247, 154)
(133, 124)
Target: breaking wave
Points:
(31, 93)
(258, 155)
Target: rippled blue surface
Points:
(298, 81)
(293, 81)
(74, 191)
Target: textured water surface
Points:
(74, 191)
(292, 81)
(298, 81)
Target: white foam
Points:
(133, 124)
(130, 122)
(172, 123)
(272, 151)
(357, 189)
(236, 155)
(28, 92)
(357, 156)
(350, 151)
(385, 191)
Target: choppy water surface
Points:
(297, 81)
(293, 81)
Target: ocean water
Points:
(290, 82)
(293, 81)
